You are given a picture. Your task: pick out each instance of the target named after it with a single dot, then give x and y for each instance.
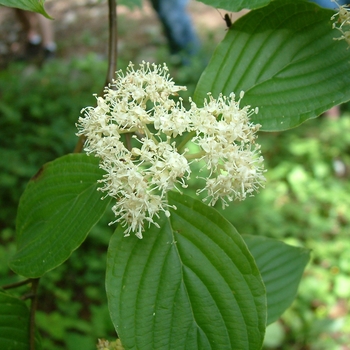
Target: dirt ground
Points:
(81, 27)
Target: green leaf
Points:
(29, 5)
(236, 5)
(57, 210)
(131, 3)
(285, 59)
(14, 324)
(190, 284)
(281, 267)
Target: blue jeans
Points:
(177, 25)
(329, 4)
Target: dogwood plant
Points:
(140, 101)
(194, 282)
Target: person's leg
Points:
(48, 35)
(39, 34)
(177, 25)
(30, 25)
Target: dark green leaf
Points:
(57, 210)
(14, 324)
(281, 267)
(29, 5)
(191, 284)
(285, 59)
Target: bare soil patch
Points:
(81, 27)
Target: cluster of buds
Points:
(342, 23)
(141, 172)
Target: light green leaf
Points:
(57, 210)
(14, 324)
(131, 3)
(285, 59)
(281, 267)
(29, 5)
(190, 284)
(236, 5)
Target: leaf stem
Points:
(184, 142)
(33, 295)
(33, 307)
(197, 155)
(80, 144)
(112, 58)
(16, 284)
(113, 41)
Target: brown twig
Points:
(112, 57)
(80, 144)
(27, 296)
(112, 42)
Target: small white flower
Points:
(235, 167)
(172, 119)
(343, 22)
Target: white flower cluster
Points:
(343, 22)
(140, 175)
(227, 138)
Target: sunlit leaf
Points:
(57, 210)
(190, 284)
(285, 58)
(281, 267)
(236, 5)
(29, 5)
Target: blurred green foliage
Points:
(306, 202)
(38, 111)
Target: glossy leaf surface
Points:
(190, 284)
(285, 58)
(281, 267)
(57, 210)
(29, 5)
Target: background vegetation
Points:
(306, 202)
